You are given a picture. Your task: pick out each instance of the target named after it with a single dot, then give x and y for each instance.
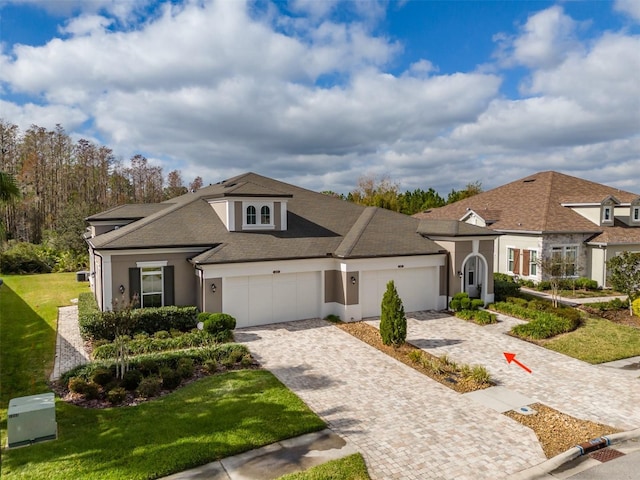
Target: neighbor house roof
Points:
(128, 212)
(317, 226)
(538, 203)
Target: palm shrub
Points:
(393, 323)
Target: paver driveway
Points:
(590, 392)
(405, 424)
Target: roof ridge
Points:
(134, 226)
(354, 234)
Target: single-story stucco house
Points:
(552, 215)
(265, 251)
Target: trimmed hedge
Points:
(481, 317)
(220, 353)
(504, 286)
(94, 324)
(542, 323)
(150, 345)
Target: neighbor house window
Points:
(564, 261)
(636, 214)
(251, 215)
(265, 215)
(606, 214)
(511, 256)
(533, 263)
(151, 287)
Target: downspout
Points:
(448, 278)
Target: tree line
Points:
(384, 193)
(59, 182)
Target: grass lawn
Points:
(347, 468)
(597, 341)
(29, 306)
(207, 420)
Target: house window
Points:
(636, 214)
(606, 214)
(533, 263)
(151, 287)
(511, 255)
(265, 215)
(564, 261)
(251, 215)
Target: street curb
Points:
(542, 470)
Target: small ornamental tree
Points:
(624, 275)
(393, 323)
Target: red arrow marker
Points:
(511, 357)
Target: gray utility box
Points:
(31, 419)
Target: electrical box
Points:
(31, 419)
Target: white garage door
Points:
(417, 287)
(263, 299)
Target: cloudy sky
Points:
(320, 92)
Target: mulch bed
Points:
(621, 316)
(371, 336)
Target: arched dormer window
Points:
(251, 215)
(265, 215)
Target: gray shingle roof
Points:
(318, 225)
(128, 212)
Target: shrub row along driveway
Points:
(405, 424)
(591, 392)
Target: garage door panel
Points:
(416, 287)
(308, 295)
(235, 300)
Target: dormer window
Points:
(606, 214)
(636, 214)
(265, 215)
(258, 215)
(251, 215)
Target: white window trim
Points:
(533, 263)
(258, 206)
(635, 214)
(159, 268)
(509, 248)
(160, 263)
(564, 250)
(607, 210)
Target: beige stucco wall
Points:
(486, 250)
(521, 242)
(212, 300)
(185, 280)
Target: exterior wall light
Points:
(121, 289)
(213, 288)
(459, 274)
(353, 280)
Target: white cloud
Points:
(86, 24)
(628, 7)
(544, 41)
(122, 10)
(47, 116)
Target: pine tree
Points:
(393, 323)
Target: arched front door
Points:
(473, 276)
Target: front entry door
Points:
(472, 276)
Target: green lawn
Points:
(347, 468)
(210, 419)
(598, 341)
(207, 420)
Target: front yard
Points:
(209, 419)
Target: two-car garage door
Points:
(263, 299)
(417, 288)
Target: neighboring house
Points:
(552, 215)
(266, 251)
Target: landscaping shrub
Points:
(454, 305)
(211, 365)
(116, 395)
(77, 385)
(149, 386)
(219, 325)
(543, 286)
(460, 301)
(465, 303)
(586, 283)
(170, 378)
(504, 286)
(542, 324)
(148, 366)
(102, 376)
(481, 317)
(477, 303)
(636, 307)
(23, 257)
(131, 379)
(526, 283)
(161, 335)
(96, 325)
(480, 374)
(91, 391)
(393, 323)
(185, 367)
(142, 344)
(333, 318)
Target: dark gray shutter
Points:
(167, 276)
(134, 285)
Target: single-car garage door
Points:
(417, 287)
(263, 299)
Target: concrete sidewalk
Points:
(573, 301)
(70, 350)
(273, 461)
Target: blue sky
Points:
(321, 92)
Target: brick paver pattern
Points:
(406, 425)
(70, 350)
